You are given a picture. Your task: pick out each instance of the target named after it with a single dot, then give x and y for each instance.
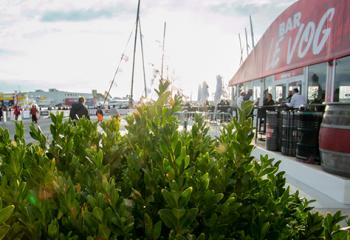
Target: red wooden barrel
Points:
(334, 139)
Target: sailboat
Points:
(137, 33)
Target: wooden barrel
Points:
(271, 130)
(308, 135)
(335, 139)
(289, 133)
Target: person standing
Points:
(240, 100)
(99, 114)
(35, 113)
(269, 101)
(290, 94)
(16, 111)
(1, 113)
(249, 95)
(297, 100)
(79, 110)
(266, 92)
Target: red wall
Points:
(308, 32)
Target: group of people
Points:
(1, 113)
(79, 110)
(17, 110)
(294, 100)
(244, 97)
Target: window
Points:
(293, 85)
(269, 85)
(341, 80)
(256, 87)
(256, 92)
(317, 83)
(247, 86)
(280, 93)
(234, 93)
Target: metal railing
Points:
(260, 114)
(218, 117)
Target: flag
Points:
(125, 58)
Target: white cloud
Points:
(201, 41)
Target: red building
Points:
(307, 46)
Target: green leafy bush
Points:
(154, 182)
(5, 213)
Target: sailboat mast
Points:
(246, 41)
(241, 48)
(162, 67)
(143, 60)
(117, 70)
(251, 30)
(134, 54)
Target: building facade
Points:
(54, 97)
(306, 47)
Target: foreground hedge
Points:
(152, 183)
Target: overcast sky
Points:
(76, 45)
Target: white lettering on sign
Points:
(309, 37)
(306, 38)
(318, 46)
(276, 54)
(290, 52)
(292, 23)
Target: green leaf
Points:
(98, 213)
(267, 170)
(53, 228)
(6, 213)
(171, 198)
(185, 197)
(213, 220)
(190, 216)
(89, 219)
(3, 231)
(166, 165)
(104, 231)
(178, 213)
(157, 230)
(205, 181)
(168, 218)
(264, 230)
(179, 161)
(201, 237)
(187, 161)
(219, 196)
(178, 149)
(19, 132)
(180, 237)
(148, 225)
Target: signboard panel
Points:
(308, 32)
